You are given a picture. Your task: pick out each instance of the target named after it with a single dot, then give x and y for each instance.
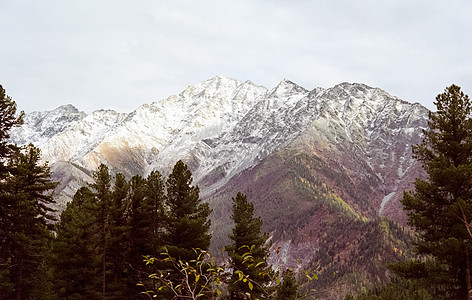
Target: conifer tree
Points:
(8, 119)
(103, 194)
(26, 198)
(75, 254)
(154, 211)
(439, 205)
(138, 223)
(121, 283)
(248, 242)
(187, 223)
(150, 219)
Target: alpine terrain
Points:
(324, 168)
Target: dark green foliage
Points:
(105, 233)
(138, 223)
(120, 282)
(76, 256)
(440, 207)
(154, 212)
(25, 198)
(25, 213)
(187, 222)
(397, 289)
(288, 288)
(247, 238)
(8, 119)
(42, 287)
(146, 221)
(102, 192)
(99, 245)
(427, 273)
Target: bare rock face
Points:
(305, 158)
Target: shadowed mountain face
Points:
(312, 162)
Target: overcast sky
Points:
(119, 54)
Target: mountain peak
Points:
(286, 87)
(67, 107)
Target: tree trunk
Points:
(467, 274)
(104, 252)
(103, 275)
(19, 283)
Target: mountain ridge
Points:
(207, 120)
(312, 161)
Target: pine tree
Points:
(138, 223)
(75, 253)
(120, 282)
(8, 119)
(247, 240)
(439, 205)
(26, 197)
(187, 223)
(103, 194)
(154, 212)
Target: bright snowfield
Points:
(223, 126)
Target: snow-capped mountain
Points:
(223, 126)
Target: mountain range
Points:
(325, 168)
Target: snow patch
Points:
(385, 201)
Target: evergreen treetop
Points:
(248, 253)
(8, 120)
(25, 199)
(187, 223)
(439, 205)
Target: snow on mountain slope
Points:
(39, 127)
(223, 126)
(367, 134)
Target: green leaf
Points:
(240, 275)
(249, 284)
(260, 263)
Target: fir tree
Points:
(103, 194)
(247, 240)
(439, 205)
(75, 255)
(187, 222)
(154, 211)
(8, 119)
(121, 283)
(138, 224)
(26, 198)
(151, 215)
